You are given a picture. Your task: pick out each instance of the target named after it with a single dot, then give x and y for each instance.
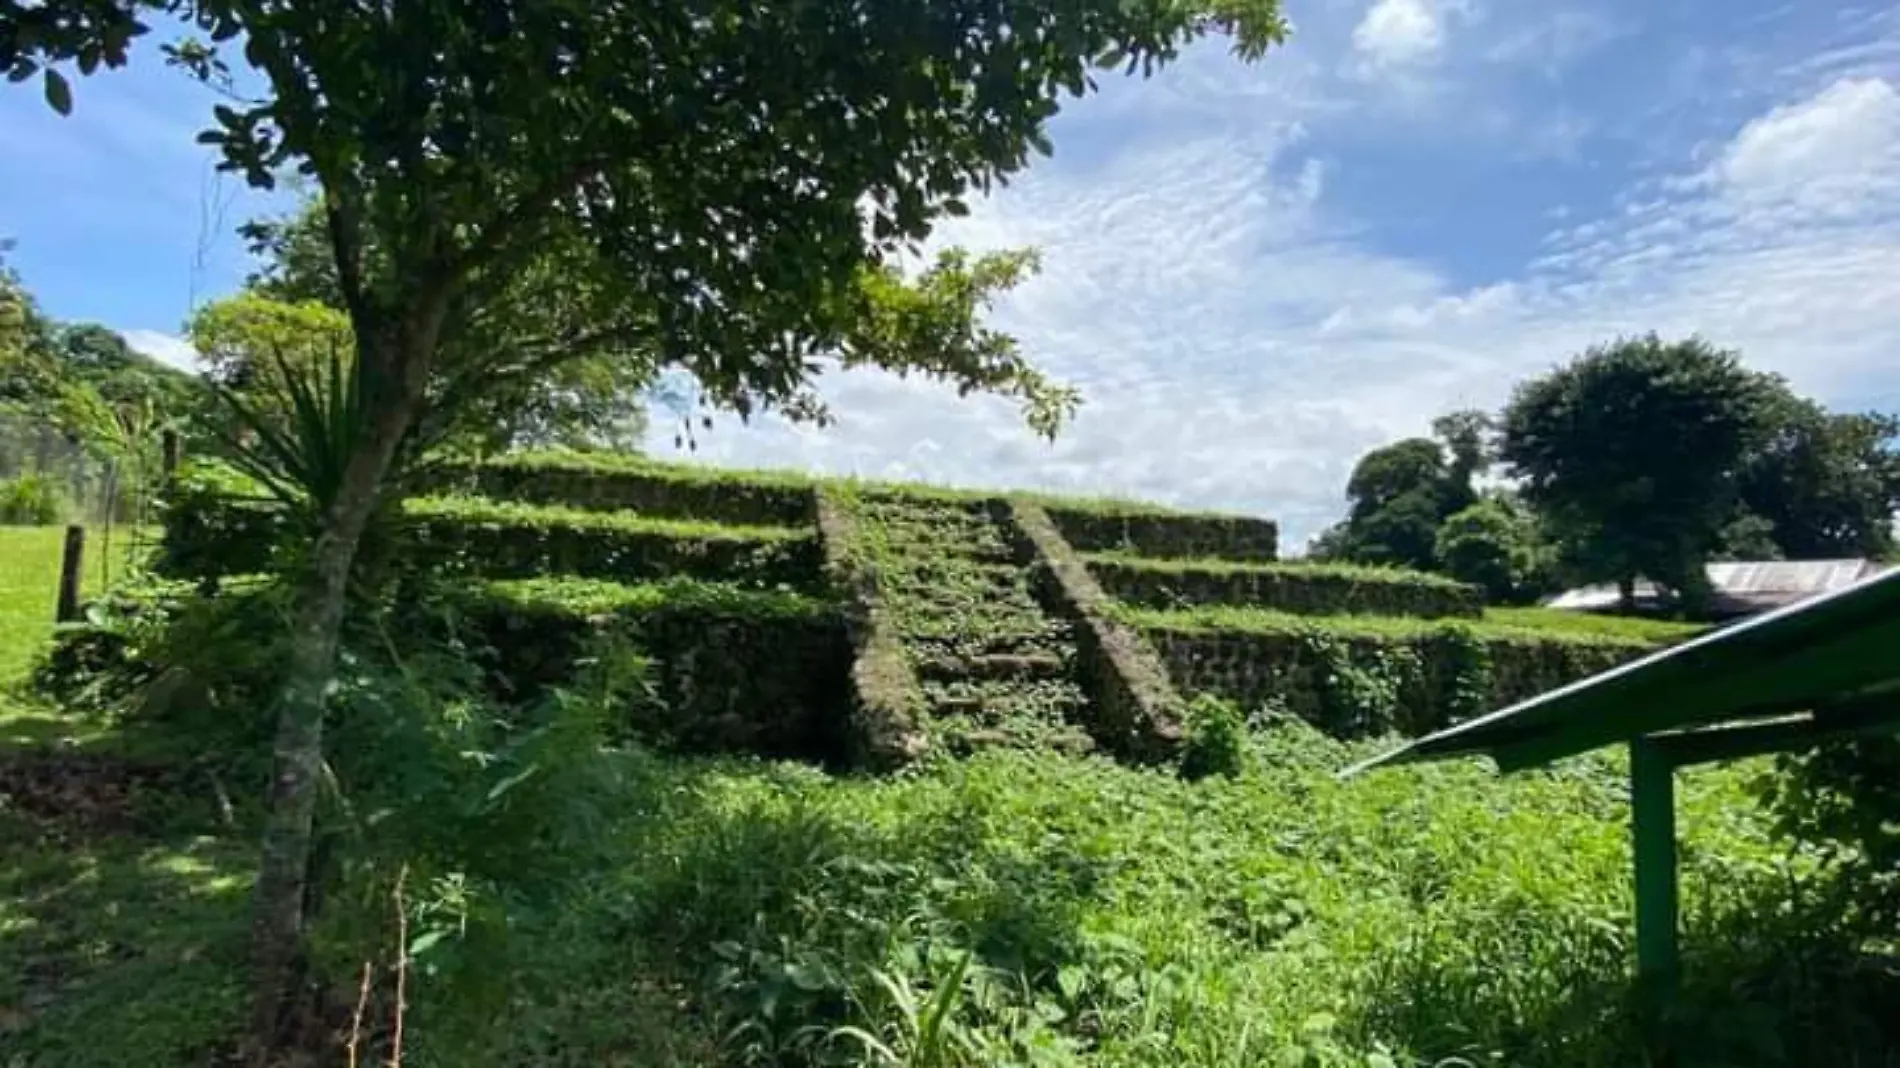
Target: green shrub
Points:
(31, 501)
(606, 481)
(496, 539)
(1846, 796)
(1358, 675)
(1216, 741)
(1302, 588)
(219, 522)
(1153, 532)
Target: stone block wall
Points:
(1306, 589)
(1254, 668)
(1134, 711)
(886, 700)
(1166, 536)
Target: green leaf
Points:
(425, 941)
(58, 93)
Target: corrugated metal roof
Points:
(1741, 586)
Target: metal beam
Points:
(1653, 827)
(1827, 725)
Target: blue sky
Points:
(1255, 273)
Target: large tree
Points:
(727, 182)
(1826, 484)
(1632, 455)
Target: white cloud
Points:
(1833, 150)
(1239, 343)
(1400, 32)
(165, 348)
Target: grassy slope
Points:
(116, 946)
(1267, 621)
(1283, 917)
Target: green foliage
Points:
(1015, 908)
(1301, 588)
(1467, 658)
(1496, 546)
(447, 535)
(1366, 675)
(1630, 628)
(31, 501)
(606, 481)
(300, 452)
(1147, 531)
(1502, 624)
(1633, 452)
(1216, 739)
(1400, 493)
(734, 669)
(1847, 797)
(1825, 484)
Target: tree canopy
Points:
(1633, 454)
(720, 186)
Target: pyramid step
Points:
(1031, 665)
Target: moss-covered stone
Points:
(734, 670)
(1167, 535)
(1306, 589)
(1132, 708)
(1429, 671)
(886, 700)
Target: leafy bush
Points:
(489, 813)
(509, 540)
(1301, 588)
(31, 501)
(1152, 532)
(1490, 547)
(1847, 796)
(1216, 739)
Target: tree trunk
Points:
(277, 925)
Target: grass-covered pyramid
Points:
(871, 624)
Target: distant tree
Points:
(593, 396)
(1499, 543)
(1826, 484)
(728, 186)
(1487, 545)
(27, 369)
(1399, 494)
(1633, 454)
(1466, 434)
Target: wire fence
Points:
(49, 477)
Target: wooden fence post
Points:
(71, 567)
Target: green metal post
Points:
(1653, 821)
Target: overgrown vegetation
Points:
(577, 886)
(1301, 588)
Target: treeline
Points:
(81, 414)
(1639, 459)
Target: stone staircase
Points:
(995, 668)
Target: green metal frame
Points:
(1653, 763)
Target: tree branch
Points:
(345, 221)
(525, 212)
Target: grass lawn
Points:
(1114, 916)
(1663, 631)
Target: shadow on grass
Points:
(120, 950)
(1764, 983)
